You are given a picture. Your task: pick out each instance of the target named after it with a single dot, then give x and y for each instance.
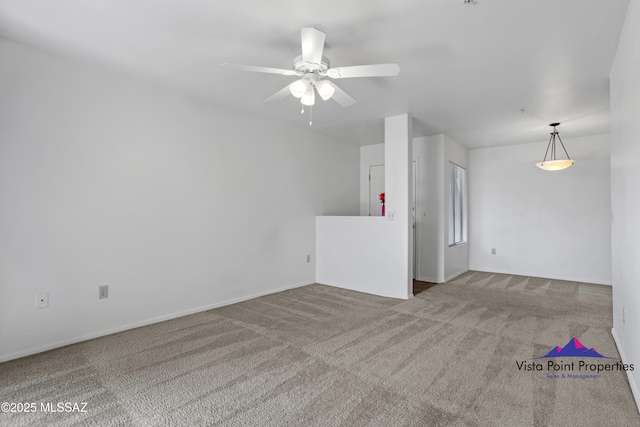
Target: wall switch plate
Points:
(391, 216)
(42, 300)
(308, 258)
(493, 251)
(103, 291)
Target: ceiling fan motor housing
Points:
(307, 68)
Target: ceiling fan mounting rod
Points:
(312, 76)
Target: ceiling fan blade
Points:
(312, 45)
(256, 69)
(377, 70)
(279, 95)
(342, 97)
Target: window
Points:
(457, 204)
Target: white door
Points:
(376, 186)
(413, 221)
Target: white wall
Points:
(176, 205)
(625, 192)
(456, 258)
(359, 253)
(398, 185)
(370, 155)
(368, 253)
(428, 155)
(436, 261)
(545, 224)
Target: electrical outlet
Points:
(103, 291)
(42, 300)
(391, 216)
(308, 258)
(493, 251)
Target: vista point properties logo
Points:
(574, 348)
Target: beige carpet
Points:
(322, 356)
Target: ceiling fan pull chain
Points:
(310, 115)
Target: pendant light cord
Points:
(552, 145)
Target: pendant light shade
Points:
(554, 164)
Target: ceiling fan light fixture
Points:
(325, 89)
(311, 67)
(309, 97)
(554, 164)
(299, 87)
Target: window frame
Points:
(457, 214)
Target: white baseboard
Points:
(364, 290)
(542, 276)
(105, 332)
(454, 275)
(428, 279)
(438, 280)
(632, 381)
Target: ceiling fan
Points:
(313, 69)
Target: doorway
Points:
(376, 186)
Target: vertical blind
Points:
(457, 204)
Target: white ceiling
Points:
(467, 71)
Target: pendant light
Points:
(554, 164)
